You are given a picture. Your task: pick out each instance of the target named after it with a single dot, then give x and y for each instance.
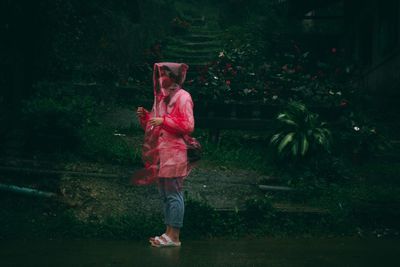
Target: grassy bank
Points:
(354, 210)
(362, 199)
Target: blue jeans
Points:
(171, 193)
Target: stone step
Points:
(275, 188)
(194, 67)
(205, 31)
(212, 45)
(212, 34)
(197, 66)
(191, 61)
(298, 208)
(197, 40)
(190, 54)
(47, 166)
(190, 50)
(26, 191)
(283, 207)
(191, 57)
(195, 21)
(40, 171)
(200, 37)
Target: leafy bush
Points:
(258, 211)
(53, 117)
(301, 133)
(359, 137)
(196, 223)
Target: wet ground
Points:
(219, 252)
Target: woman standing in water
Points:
(167, 134)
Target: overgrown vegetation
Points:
(97, 47)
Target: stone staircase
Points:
(199, 46)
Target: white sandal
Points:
(162, 243)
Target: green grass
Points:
(100, 143)
(237, 149)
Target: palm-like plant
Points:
(301, 132)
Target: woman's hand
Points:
(141, 112)
(156, 121)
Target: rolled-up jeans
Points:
(171, 193)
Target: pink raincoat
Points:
(165, 147)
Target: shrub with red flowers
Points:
(231, 77)
(358, 137)
(242, 74)
(319, 82)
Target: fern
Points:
(301, 132)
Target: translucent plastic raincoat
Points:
(165, 147)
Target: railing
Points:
(217, 117)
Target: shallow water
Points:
(219, 252)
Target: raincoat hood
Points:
(178, 72)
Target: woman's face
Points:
(165, 81)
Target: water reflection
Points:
(169, 256)
(208, 253)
